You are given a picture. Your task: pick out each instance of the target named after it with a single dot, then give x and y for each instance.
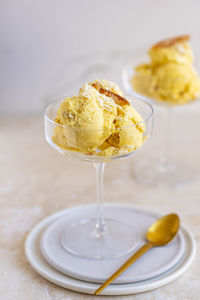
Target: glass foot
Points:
(82, 239)
(154, 173)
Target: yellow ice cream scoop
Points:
(169, 76)
(175, 83)
(85, 117)
(176, 50)
(92, 121)
(127, 136)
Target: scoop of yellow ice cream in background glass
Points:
(176, 50)
(94, 123)
(169, 76)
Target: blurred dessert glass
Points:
(170, 80)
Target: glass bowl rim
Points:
(137, 97)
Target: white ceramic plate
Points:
(155, 262)
(34, 256)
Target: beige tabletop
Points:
(35, 182)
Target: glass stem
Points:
(165, 158)
(100, 227)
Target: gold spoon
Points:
(159, 233)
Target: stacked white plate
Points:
(157, 267)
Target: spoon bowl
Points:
(163, 230)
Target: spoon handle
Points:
(125, 266)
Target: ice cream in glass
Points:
(170, 79)
(99, 124)
(170, 75)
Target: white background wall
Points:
(39, 38)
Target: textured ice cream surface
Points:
(85, 117)
(93, 122)
(170, 75)
(128, 135)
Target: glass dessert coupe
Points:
(98, 237)
(163, 169)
